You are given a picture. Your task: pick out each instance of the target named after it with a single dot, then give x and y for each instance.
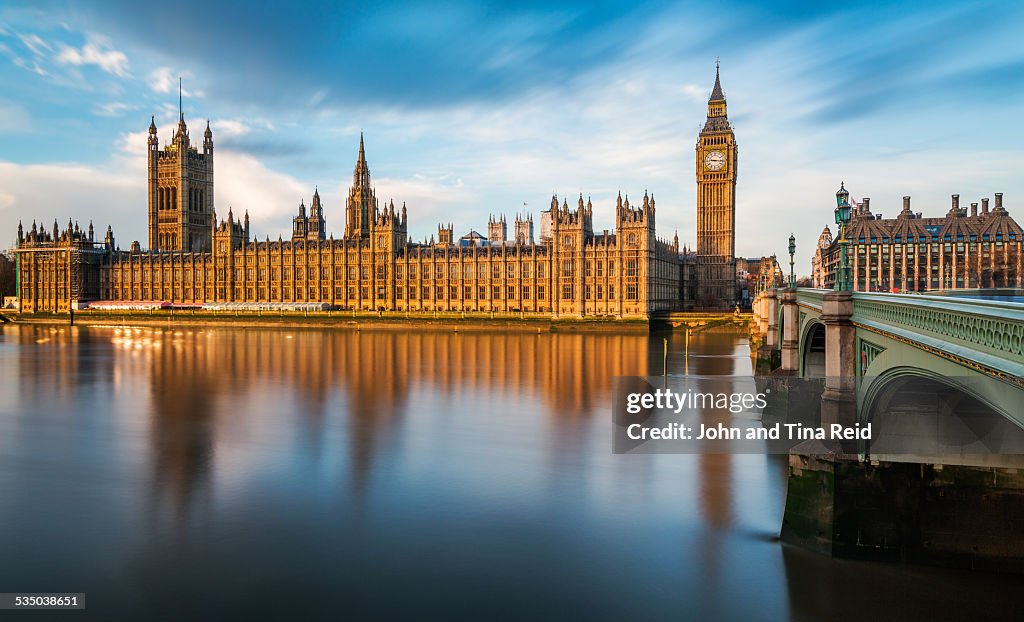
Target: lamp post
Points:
(792, 251)
(842, 219)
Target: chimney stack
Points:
(999, 201)
(906, 204)
(984, 205)
(974, 209)
(956, 202)
(866, 205)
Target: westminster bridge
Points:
(941, 380)
(864, 344)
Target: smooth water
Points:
(192, 473)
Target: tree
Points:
(6, 275)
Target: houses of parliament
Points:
(572, 271)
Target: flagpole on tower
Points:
(179, 97)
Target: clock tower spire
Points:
(717, 159)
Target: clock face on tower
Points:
(714, 160)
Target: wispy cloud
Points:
(166, 80)
(35, 44)
(112, 109)
(96, 51)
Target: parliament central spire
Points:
(362, 200)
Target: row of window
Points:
(600, 268)
(158, 277)
(569, 292)
(424, 293)
(923, 249)
(985, 237)
(363, 292)
(381, 273)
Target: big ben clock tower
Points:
(717, 156)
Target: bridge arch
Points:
(812, 349)
(930, 413)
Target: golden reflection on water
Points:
(208, 388)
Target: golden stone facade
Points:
(574, 272)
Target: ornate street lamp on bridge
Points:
(792, 251)
(842, 219)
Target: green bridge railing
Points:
(988, 333)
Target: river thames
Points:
(197, 473)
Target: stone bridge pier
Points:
(790, 333)
(839, 400)
(768, 355)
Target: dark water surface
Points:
(270, 474)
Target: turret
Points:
(153, 141)
(497, 231)
(181, 136)
(21, 233)
(208, 139)
(316, 209)
(444, 234)
(108, 241)
(524, 229)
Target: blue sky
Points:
(472, 109)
